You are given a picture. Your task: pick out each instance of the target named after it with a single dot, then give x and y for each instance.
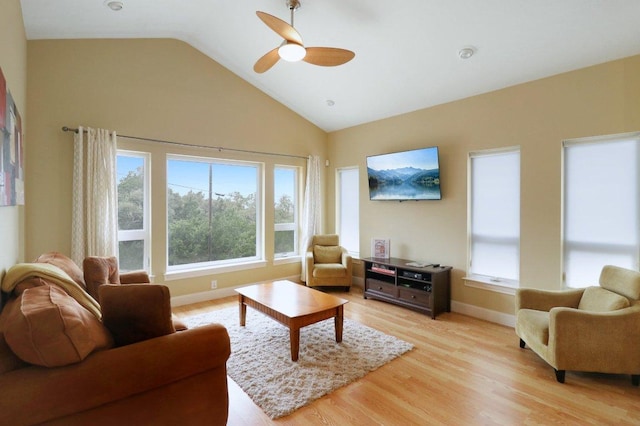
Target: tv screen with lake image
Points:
(406, 175)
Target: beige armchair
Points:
(596, 329)
(327, 263)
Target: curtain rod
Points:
(219, 148)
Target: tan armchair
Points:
(327, 263)
(596, 329)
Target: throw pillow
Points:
(327, 254)
(45, 326)
(136, 312)
(625, 282)
(30, 282)
(98, 271)
(600, 300)
(63, 262)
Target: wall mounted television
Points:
(405, 175)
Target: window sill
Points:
(209, 270)
(286, 259)
(486, 283)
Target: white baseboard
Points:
(220, 293)
(358, 282)
(483, 314)
(461, 308)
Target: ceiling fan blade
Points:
(328, 56)
(267, 61)
(285, 30)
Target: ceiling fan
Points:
(292, 49)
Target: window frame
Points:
(495, 283)
(143, 234)
(339, 219)
(189, 270)
(295, 225)
(585, 246)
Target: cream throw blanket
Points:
(53, 274)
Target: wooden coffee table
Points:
(292, 305)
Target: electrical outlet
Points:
(214, 284)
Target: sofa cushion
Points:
(45, 326)
(8, 359)
(64, 263)
(98, 271)
(327, 254)
(136, 312)
(329, 270)
(600, 300)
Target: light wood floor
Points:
(463, 371)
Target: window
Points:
(494, 203)
(133, 211)
(348, 200)
(213, 212)
(285, 183)
(600, 206)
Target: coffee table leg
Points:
(294, 337)
(339, 321)
(243, 310)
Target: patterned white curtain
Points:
(94, 229)
(311, 210)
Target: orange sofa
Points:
(116, 366)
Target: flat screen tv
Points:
(406, 175)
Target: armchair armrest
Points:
(39, 394)
(135, 277)
(544, 300)
(347, 261)
(308, 259)
(595, 341)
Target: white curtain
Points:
(94, 229)
(312, 208)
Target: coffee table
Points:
(292, 305)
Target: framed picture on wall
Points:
(380, 248)
(11, 149)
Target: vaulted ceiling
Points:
(407, 52)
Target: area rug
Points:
(261, 365)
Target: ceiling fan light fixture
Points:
(291, 52)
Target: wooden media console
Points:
(422, 288)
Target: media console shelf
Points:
(424, 289)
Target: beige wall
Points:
(160, 89)
(13, 61)
(537, 116)
(165, 89)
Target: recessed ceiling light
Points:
(466, 52)
(114, 5)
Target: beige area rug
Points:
(261, 365)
